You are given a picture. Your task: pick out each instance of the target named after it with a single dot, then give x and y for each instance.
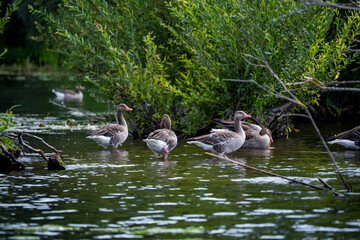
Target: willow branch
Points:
(271, 174)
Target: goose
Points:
(349, 139)
(66, 94)
(223, 141)
(257, 136)
(162, 140)
(112, 134)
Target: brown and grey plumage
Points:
(162, 140)
(257, 136)
(348, 139)
(113, 134)
(223, 142)
(66, 94)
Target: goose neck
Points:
(120, 118)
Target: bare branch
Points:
(292, 13)
(260, 86)
(271, 174)
(325, 183)
(294, 115)
(343, 82)
(339, 89)
(344, 6)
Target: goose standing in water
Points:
(112, 134)
(348, 139)
(223, 142)
(162, 140)
(257, 136)
(66, 94)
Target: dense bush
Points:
(172, 56)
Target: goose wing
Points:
(109, 130)
(165, 135)
(353, 135)
(215, 138)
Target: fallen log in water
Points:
(9, 157)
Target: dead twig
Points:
(272, 174)
(325, 183)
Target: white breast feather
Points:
(156, 145)
(102, 140)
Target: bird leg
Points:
(166, 153)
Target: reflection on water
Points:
(128, 193)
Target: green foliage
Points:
(171, 57)
(6, 122)
(3, 20)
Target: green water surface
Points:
(127, 193)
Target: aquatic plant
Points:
(6, 122)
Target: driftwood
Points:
(9, 157)
(327, 187)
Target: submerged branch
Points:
(272, 174)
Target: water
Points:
(107, 194)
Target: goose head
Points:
(122, 108)
(239, 115)
(165, 121)
(78, 88)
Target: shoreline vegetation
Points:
(197, 61)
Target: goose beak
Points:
(128, 109)
(82, 88)
(246, 116)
